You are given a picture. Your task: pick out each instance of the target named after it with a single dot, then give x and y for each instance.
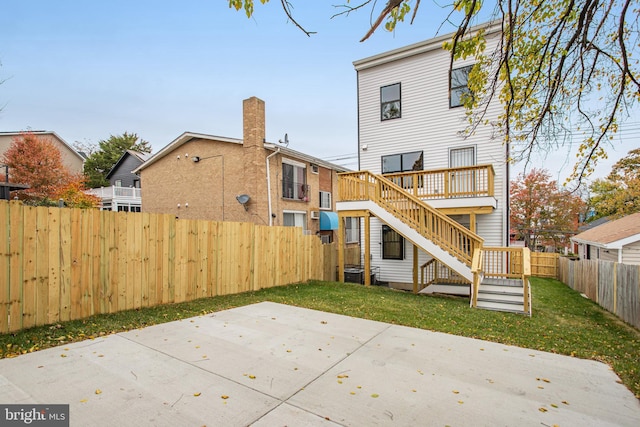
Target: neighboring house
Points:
(200, 176)
(617, 240)
(72, 160)
(431, 194)
(124, 194)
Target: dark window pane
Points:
(392, 244)
(412, 161)
(459, 86)
(390, 93)
(391, 164)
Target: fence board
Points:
(29, 269)
(607, 294)
(5, 257)
(628, 292)
(65, 264)
(42, 265)
(121, 220)
(16, 230)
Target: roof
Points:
(188, 136)
(46, 132)
(418, 48)
(613, 234)
(142, 157)
(594, 223)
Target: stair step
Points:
(500, 301)
(500, 296)
(506, 310)
(501, 289)
(517, 283)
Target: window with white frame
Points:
(390, 102)
(352, 229)
(294, 219)
(294, 180)
(459, 86)
(325, 200)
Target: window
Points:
(136, 183)
(390, 102)
(352, 229)
(314, 168)
(392, 244)
(294, 180)
(294, 219)
(402, 162)
(459, 86)
(118, 183)
(325, 200)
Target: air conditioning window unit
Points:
(315, 214)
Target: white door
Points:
(462, 183)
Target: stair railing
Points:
(504, 263)
(450, 236)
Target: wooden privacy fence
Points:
(614, 286)
(65, 264)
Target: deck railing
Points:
(502, 263)
(115, 192)
(435, 272)
(449, 235)
(468, 181)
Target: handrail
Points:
(478, 274)
(449, 183)
(508, 263)
(449, 235)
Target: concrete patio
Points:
(274, 365)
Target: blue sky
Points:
(88, 70)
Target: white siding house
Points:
(617, 241)
(409, 119)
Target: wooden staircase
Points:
(494, 278)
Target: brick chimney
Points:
(253, 138)
(253, 123)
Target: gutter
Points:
(269, 185)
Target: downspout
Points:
(269, 185)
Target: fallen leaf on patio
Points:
(252, 377)
(455, 392)
(482, 349)
(323, 322)
(460, 402)
(98, 391)
(204, 356)
(84, 400)
(352, 392)
(414, 390)
(359, 386)
(540, 387)
(546, 380)
(375, 395)
(339, 381)
(224, 396)
(197, 394)
(63, 355)
(542, 409)
(565, 402)
(553, 405)
(343, 376)
(288, 351)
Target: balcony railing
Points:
(293, 190)
(114, 192)
(468, 181)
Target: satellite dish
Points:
(243, 199)
(286, 140)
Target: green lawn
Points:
(563, 321)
